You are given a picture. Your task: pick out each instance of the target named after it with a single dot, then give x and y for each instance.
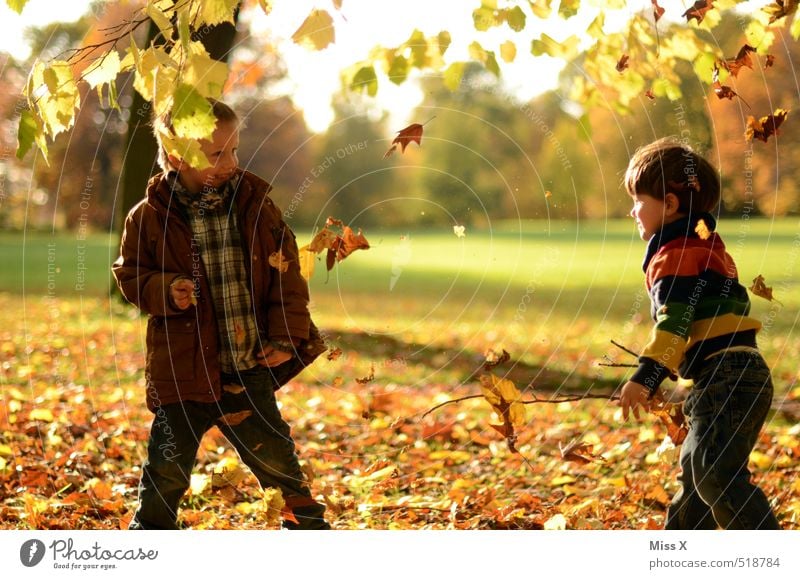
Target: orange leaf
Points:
(412, 132)
(658, 11)
(235, 418)
(351, 242)
(334, 354)
(671, 415)
(279, 262)
(702, 229)
(367, 379)
(764, 127)
(649, 94)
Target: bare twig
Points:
(451, 402)
(616, 365)
(536, 400)
(624, 349)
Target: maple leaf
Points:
(733, 65)
(780, 8)
(338, 246)
(412, 132)
(722, 91)
(760, 289)
(622, 63)
(279, 261)
(764, 127)
(580, 452)
(698, 10)
(658, 11)
(701, 229)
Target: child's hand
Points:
(634, 395)
(182, 293)
(270, 357)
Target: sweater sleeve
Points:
(137, 273)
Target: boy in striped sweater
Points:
(702, 332)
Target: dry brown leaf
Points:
(411, 133)
(658, 11)
(671, 415)
(764, 127)
(622, 63)
(367, 379)
(760, 289)
(698, 10)
(580, 452)
(334, 354)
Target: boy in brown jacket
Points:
(225, 328)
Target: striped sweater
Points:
(698, 304)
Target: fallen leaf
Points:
(733, 65)
(235, 418)
(671, 415)
(275, 506)
(702, 230)
(411, 133)
(504, 398)
(459, 231)
(698, 10)
(279, 262)
(334, 354)
(227, 473)
(579, 452)
(367, 379)
(764, 127)
(43, 414)
(622, 63)
(555, 523)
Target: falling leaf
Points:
(764, 127)
(702, 230)
(350, 243)
(770, 61)
(780, 9)
(227, 473)
(338, 246)
(671, 415)
(411, 133)
(307, 261)
(459, 231)
(622, 63)
(367, 379)
(316, 31)
(733, 65)
(698, 10)
(658, 11)
(493, 359)
(722, 91)
(548, 194)
(649, 94)
(334, 354)
(279, 262)
(580, 452)
(235, 418)
(508, 51)
(760, 289)
(233, 388)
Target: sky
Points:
(360, 25)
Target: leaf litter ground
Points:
(74, 429)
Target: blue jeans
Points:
(262, 439)
(726, 410)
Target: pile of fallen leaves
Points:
(74, 430)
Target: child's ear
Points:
(671, 204)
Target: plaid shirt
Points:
(215, 234)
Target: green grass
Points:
(552, 293)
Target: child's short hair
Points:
(668, 166)
(222, 112)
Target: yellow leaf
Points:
(266, 6)
(192, 115)
(103, 70)
(761, 460)
(562, 480)
(459, 231)
(187, 149)
(42, 414)
(5, 450)
(58, 102)
(199, 484)
(227, 473)
(556, 523)
(307, 262)
(274, 504)
(504, 397)
(316, 32)
(2, 464)
(206, 75)
(156, 78)
(702, 230)
(508, 51)
(213, 12)
(159, 18)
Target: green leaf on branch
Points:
(185, 149)
(398, 70)
(57, 105)
(485, 57)
(192, 114)
(205, 74)
(213, 12)
(486, 17)
(161, 20)
(26, 133)
(316, 31)
(419, 49)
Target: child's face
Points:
(651, 215)
(221, 153)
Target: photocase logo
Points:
(32, 552)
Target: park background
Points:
(548, 268)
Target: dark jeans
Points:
(726, 410)
(262, 439)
